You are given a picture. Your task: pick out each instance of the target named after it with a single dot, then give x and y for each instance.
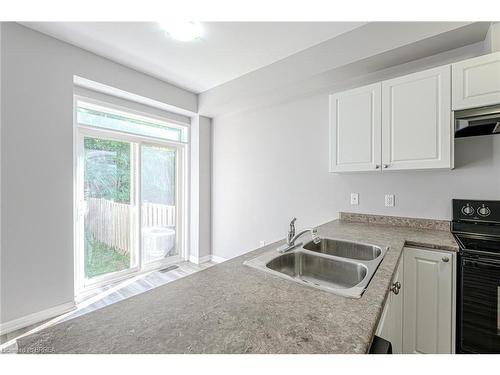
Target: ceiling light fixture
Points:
(182, 31)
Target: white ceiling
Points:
(226, 51)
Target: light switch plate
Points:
(354, 199)
(389, 200)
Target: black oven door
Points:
(480, 305)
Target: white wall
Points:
(271, 164)
(37, 161)
(268, 166)
(200, 189)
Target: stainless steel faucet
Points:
(291, 231)
(292, 237)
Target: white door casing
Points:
(181, 199)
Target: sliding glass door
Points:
(129, 203)
(108, 193)
(158, 203)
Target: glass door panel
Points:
(158, 203)
(108, 201)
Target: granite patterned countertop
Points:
(233, 308)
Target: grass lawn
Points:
(101, 259)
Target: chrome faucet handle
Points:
(314, 234)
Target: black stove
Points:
(476, 227)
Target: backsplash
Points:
(396, 220)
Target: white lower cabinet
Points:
(420, 317)
(428, 310)
(391, 322)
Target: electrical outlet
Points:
(389, 200)
(262, 243)
(354, 199)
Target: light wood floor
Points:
(107, 295)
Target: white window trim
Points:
(182, 189)
(134, 112)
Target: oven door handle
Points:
(491, 264)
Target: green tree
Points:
(107, 169)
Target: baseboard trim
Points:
(217, 259)
(37, 317)
(201, 260)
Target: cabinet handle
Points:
(386, 165)
(377, 166)
(396, 287)
(446, 259)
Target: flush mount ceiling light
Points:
(182, 31)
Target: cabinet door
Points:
(476, 82)
(428, 324)
(355, 129)
(390, 325)
(416, 121)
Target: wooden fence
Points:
(157, 215)
(110, 222)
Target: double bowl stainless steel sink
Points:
(337, 266)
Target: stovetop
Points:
(474, 211)
(476, 225)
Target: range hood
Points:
(477, 121)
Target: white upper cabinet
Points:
(355, 129)
(416, 121)
(402, 123)
(476, 82)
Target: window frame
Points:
(134, 112)
(83, 285)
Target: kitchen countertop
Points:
(233, 308)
